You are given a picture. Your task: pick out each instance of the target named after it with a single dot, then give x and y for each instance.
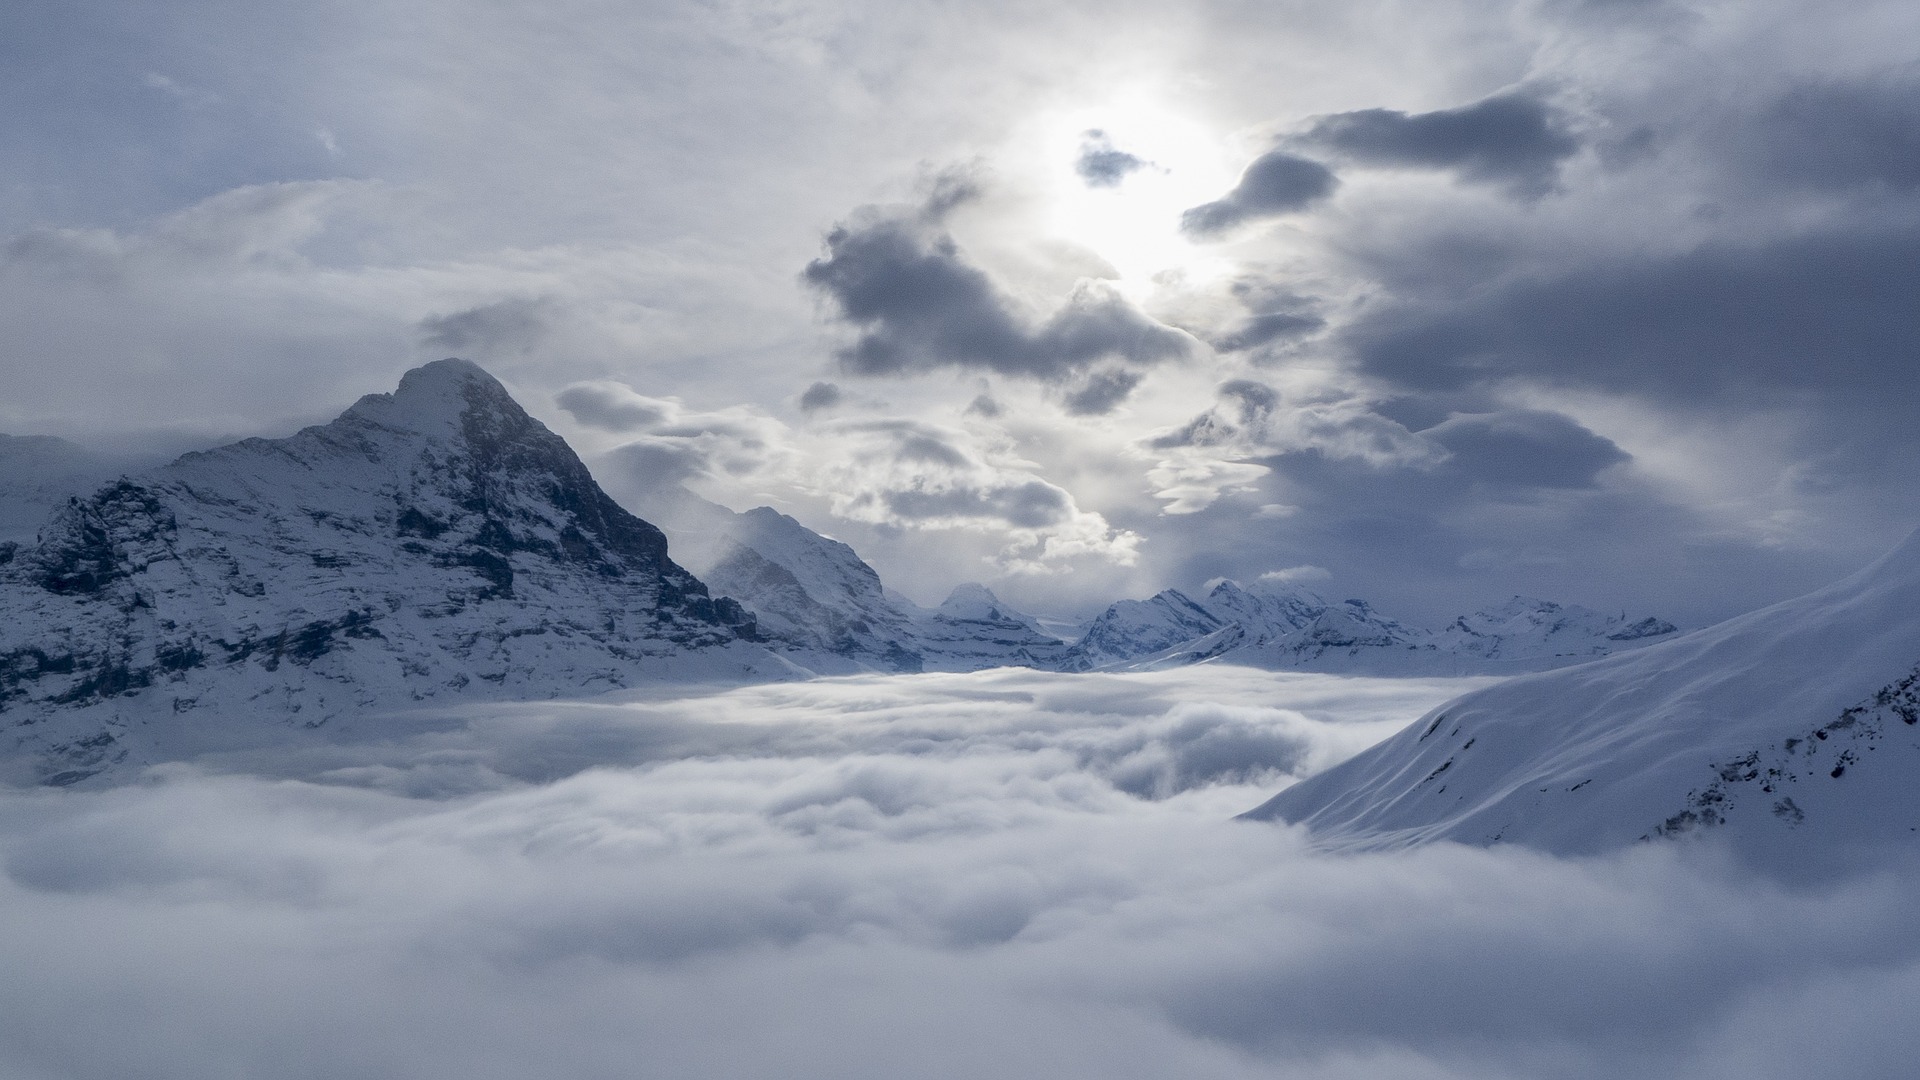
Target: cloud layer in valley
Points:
(1006, 874)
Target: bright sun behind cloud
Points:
(1159, 164)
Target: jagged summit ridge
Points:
(431, 543)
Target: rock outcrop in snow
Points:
(428, 545)
(1793, 732)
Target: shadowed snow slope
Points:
(429, 543)
(1790, 731)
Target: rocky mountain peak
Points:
(431, 542)
(436, 398)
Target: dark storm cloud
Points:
(1256, 400)
(821, 395)
(1841, 135)
(1261, 330)
(1510, 139)
(1276, 183)
(650, 464)
(1100, 165)
(1726, 323)
(512, 326)
(611, 407)
(920, 305)
(1034, 504)
(1101, 392)
(1525, 448)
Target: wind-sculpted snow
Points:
(1009, 874)
(1791, 731)
(430, 543)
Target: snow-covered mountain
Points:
(819, 599)
(1283, 627)
(428, 545)
(1136, 629)
(438, 544)
(821, 606)
(972, 629)
(1793, 731)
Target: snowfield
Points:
(1008, 873)
(1792, 731)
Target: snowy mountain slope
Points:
(1791, 731)
(1285, 627)
(430, 544)
(823, 607)
(1134, 629)
(972, 630)
(817, 595)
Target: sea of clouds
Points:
(1005, 874)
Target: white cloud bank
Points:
(905, 877)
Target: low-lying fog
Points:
(1007, 874)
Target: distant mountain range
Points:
(438, 544)
(1285, 627)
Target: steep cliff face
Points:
(429, 544)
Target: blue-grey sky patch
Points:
(1259, 330)
(1512, 139)
(504, 328)
(1844, 134)
(1101, 392)
(1276, 183)
(821, 395)
(1100, 164)
(1525, 448)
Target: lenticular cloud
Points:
(1007, 874)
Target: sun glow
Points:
(1163, 165)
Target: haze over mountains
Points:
(439, 544)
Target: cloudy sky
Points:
(1607, 301)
